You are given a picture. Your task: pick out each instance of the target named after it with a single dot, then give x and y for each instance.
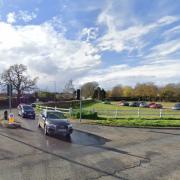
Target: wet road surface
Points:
(92, 152)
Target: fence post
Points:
(138, 112)
(55, 108)
(46, 107)
(70, 111)
(116, 113)
(160, 113)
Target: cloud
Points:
(11, 17)
(47, 53)
(130, 38)
(127, 75)
(165, 49)
(89, 33)
(24, 16)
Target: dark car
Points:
(54, 122)
(176, 106)
(26, 111)
(33, 105)
(143, 104)
(134, 104)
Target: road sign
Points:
(11, 118)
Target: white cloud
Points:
(130, 38)
(160, 73)
(11, 18)
(165, 49)
(124, 31)
(89, 33)
(47, 53)
(25, 16)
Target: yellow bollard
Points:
(11, 118)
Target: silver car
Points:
(176, 106)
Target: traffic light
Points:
(78, 94)
(9, 89)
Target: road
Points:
(93, 152)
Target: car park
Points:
(54, 122)
(26, 111)
(176, 106)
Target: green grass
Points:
(109, 111)
(139, 123)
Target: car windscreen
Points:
(28, 108)
(55, 115)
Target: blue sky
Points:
(108, 41)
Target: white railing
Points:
(63, 110)
(139, 112)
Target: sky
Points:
(109, 41)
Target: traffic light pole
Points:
(10, 106)
(80, 115)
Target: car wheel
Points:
(39, 125)
(45, 130)
(68, 135)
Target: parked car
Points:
(123, 103)
(143, 104)
(54, 122)
(176, 106)
(155, 105)
(134, 104)
(26, 111)
(33, 105)
(106, 102)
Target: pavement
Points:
(92, 152)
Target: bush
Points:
(85, 115)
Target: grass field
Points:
(111, 111)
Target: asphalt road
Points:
(93, 152)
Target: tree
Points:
(128, 91)
(87, 90)
(146, 90)
(117, 91)
(17, 76)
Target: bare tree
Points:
(88, 89)
(21, 82)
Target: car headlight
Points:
(70, 126)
